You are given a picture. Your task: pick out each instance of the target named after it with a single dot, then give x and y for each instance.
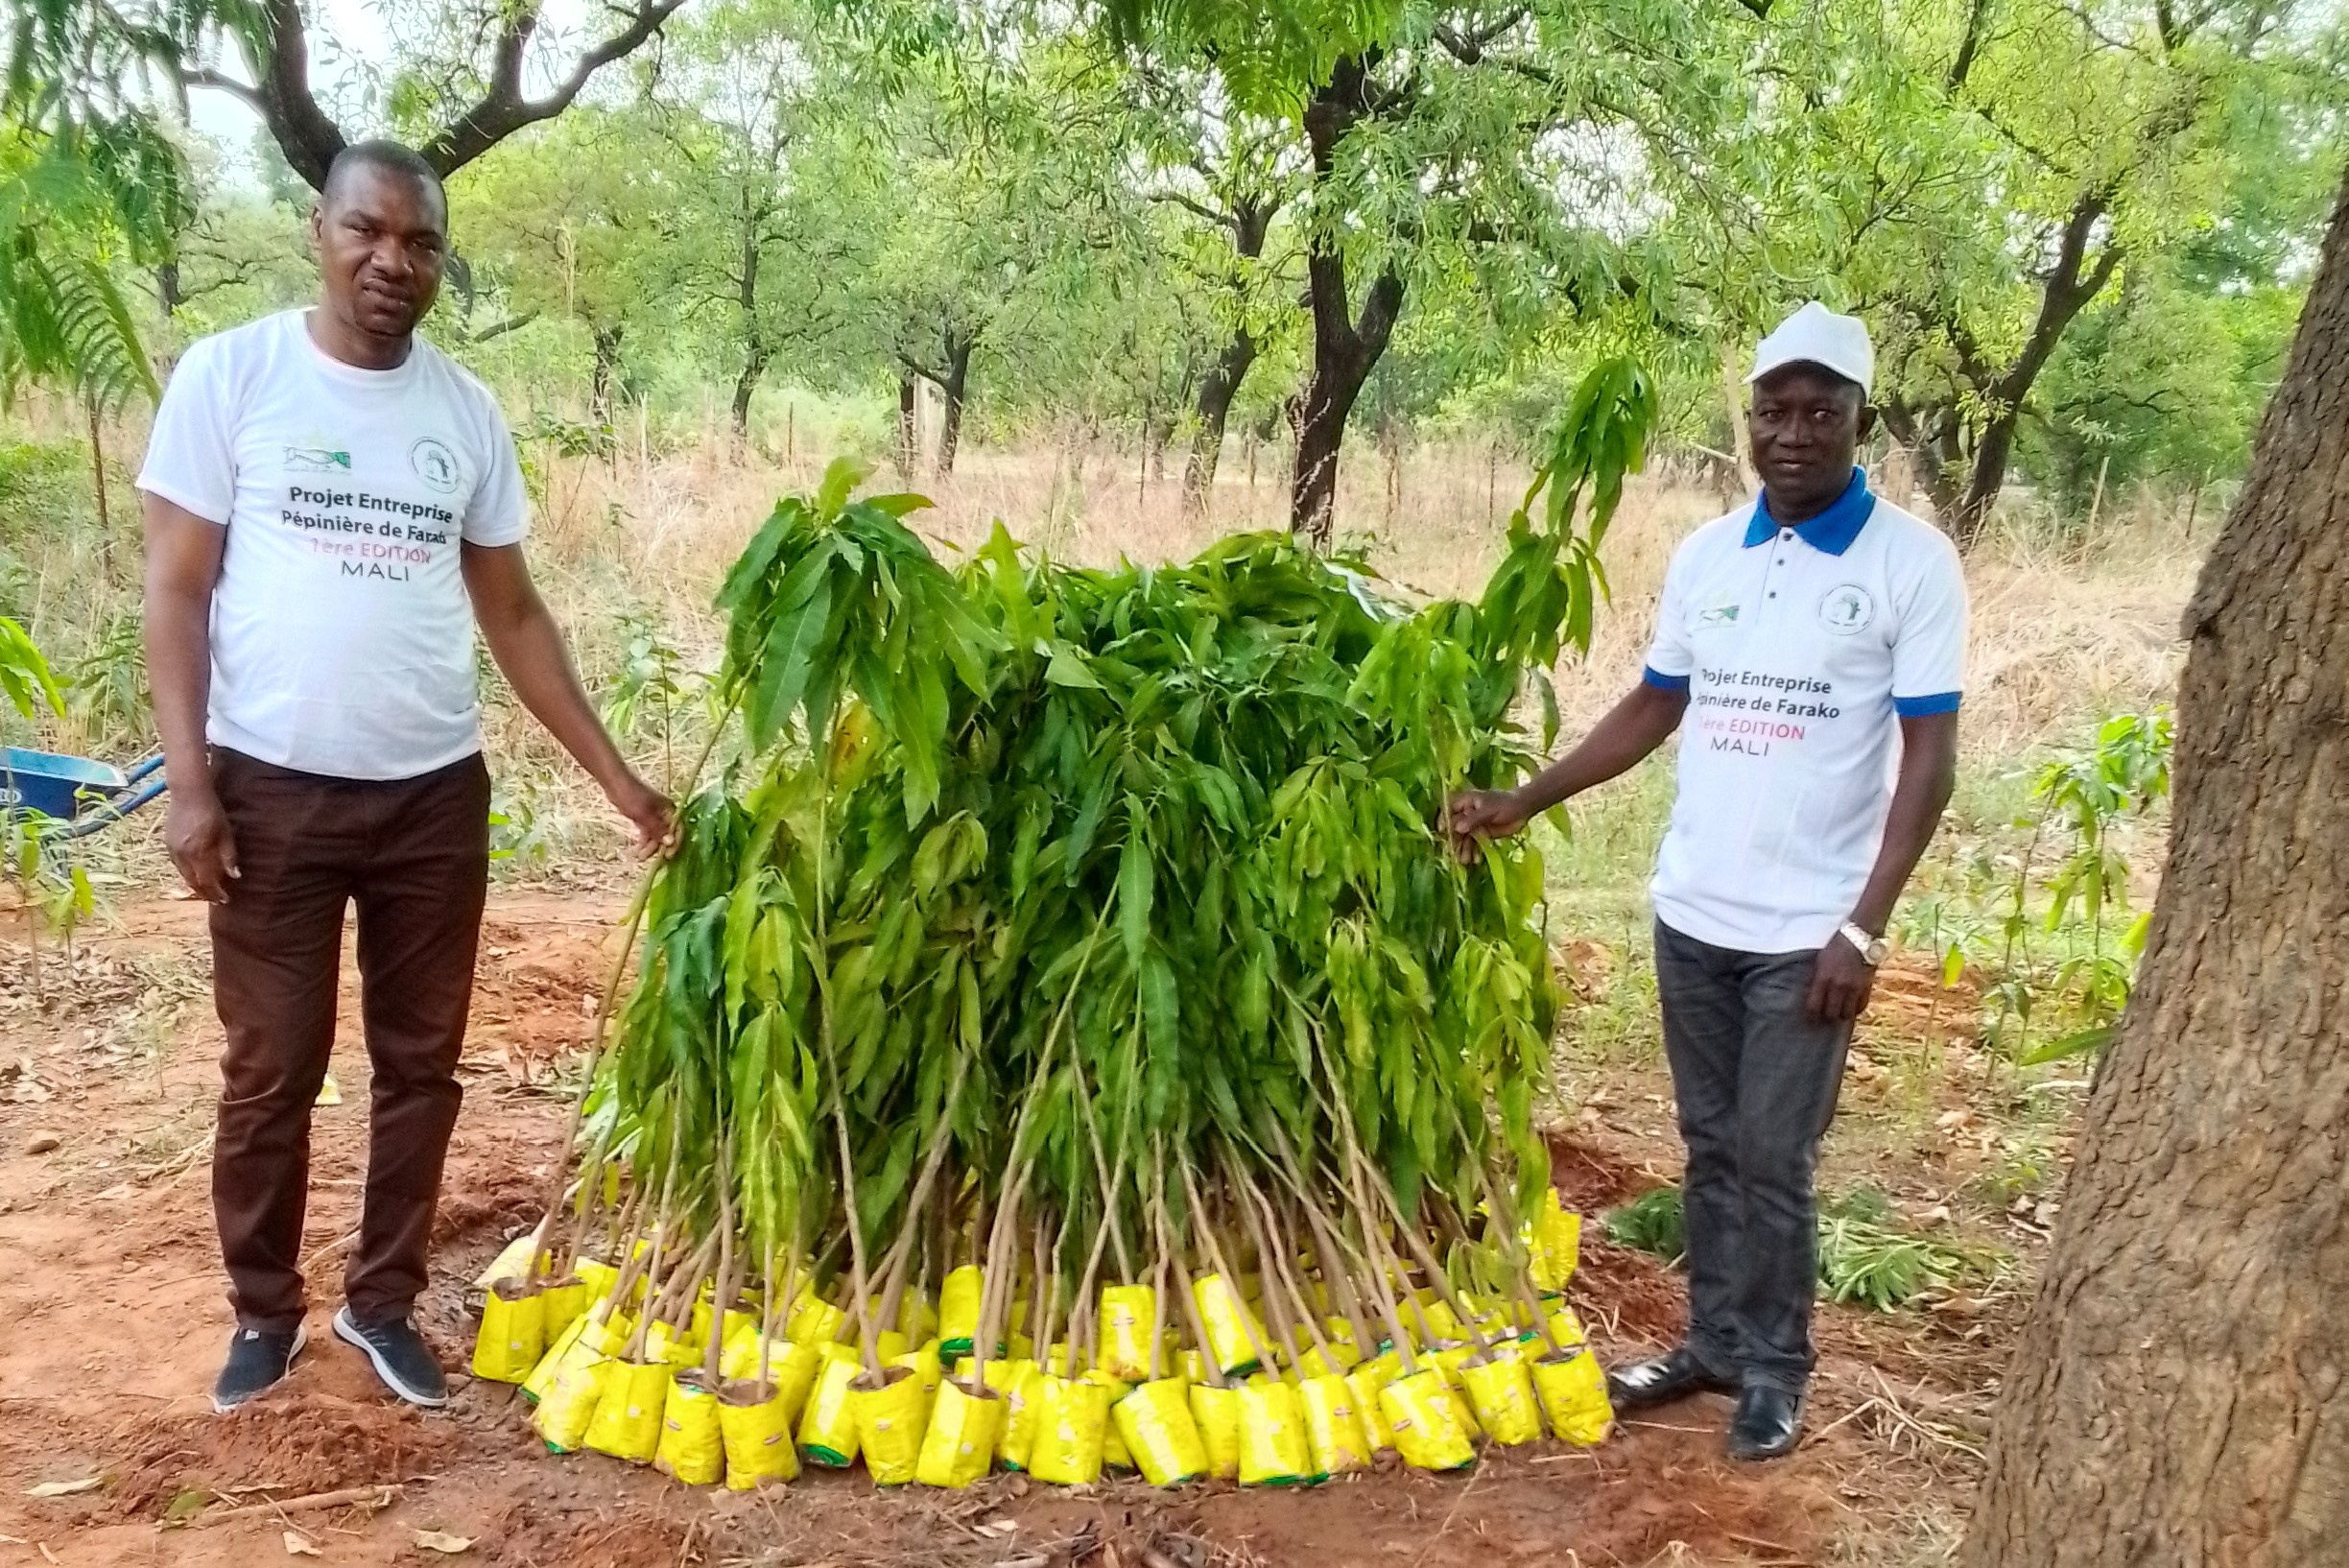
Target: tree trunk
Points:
(106, 521)
(953, 384)
(909, 424)
(1215, 400)
(1343, 353)
(607, 360)
(754, 365)
(2180, 1396)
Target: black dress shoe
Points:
(1662, 1379)
(1767, 1424)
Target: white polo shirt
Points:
(1799, 648)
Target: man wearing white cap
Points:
(1795, 640)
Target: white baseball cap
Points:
(1815, 334)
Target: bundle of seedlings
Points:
(1061, 1036)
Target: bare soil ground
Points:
(112, 1320)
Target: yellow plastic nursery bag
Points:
(1333, 1432)
(1501, 1393)
(692, 1448)
(757, 1432)
(815, 1321)
(1071, 1421)
(1420, 1412)
(1227, 1322)
(542, 1376)
(1217, 1414)
(1341, 1359)
(828, 1426)
(1272, 1447)
(598, 1277)
(1019, 1383)
(1155, 1422)
(577, 1389)
(1114, 1453)
(958, 1308)
(1557, 1243)
(513, 1336)
(889, 1420)
(566, 1303)
(1567, 1329)
(1364, 1383)
(965, 1424)
(1129, 1318)
(628, 1418)
(1573, 1396)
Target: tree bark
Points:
(909, 424)
(953, 384)
(754, 367)
(1216, 390)
(2180, 1396)
(607, 360)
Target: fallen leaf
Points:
(41, 1143)
(296, 1547)
(66, 1488)
(441, 1540)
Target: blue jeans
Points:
(1755, 1081)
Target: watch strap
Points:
(1872, 947)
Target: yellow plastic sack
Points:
(815, 1321)
(1272, 1448)
(1071, 1421)
(1365, 1382)
(1556, 1242)
(566, 1304)
(959, 1301)
(889, 1344)
(1501, 1393)
(1420, 1412)
(1019, 1383)
(1442, 1322)
(1114, 1452)
(511, 1265)
(565, 1415)
(1128, 1321)
(598, 1277)
(1227, 1322)
(1334, 1433)
(965, 1425)
(828, 1425)
(1572, 1391)
(542, 1376)
(1342, 1358)
(1567, 1329)
(890, 1422)
(923, 1361)
(1155, 1423)
(918, 1316)
(628, 1418)
(513, 1336)
(757, 1434)
(692, 1448)
(1192, 1366)
(1216, 1412)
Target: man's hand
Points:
(652, 813)
(1840, 983)
(1474, 814)
(196, 830)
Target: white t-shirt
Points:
(1798, 649)
(341, 636)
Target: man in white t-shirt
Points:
(332, 505)
(1802, 645)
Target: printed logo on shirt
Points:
(1718, 615)
(434, 463)
(316, 459)
(1847, 610)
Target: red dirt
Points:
(111, 1291)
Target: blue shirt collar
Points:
(1831, 531)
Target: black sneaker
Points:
(257, 1359)
(400, 1357)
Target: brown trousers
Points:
(413, 855)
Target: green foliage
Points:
(1650, 1223)
(1864, 1258)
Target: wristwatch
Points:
(1872, 948)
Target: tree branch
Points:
(503, 109)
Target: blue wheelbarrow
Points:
(74, 796)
